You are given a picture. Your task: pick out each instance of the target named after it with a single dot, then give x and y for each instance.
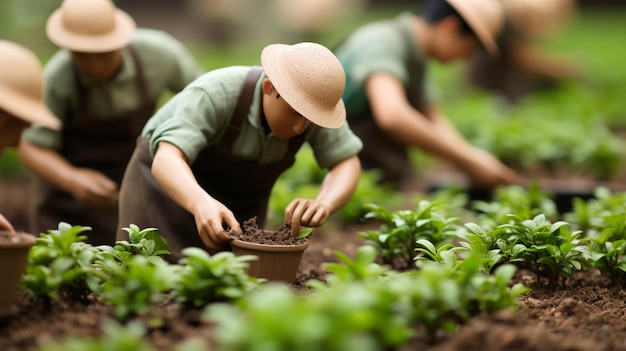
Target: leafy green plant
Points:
(400, 230)
(208, 278)
(60, 263)
(445, 254)
(523, 202)
(350, 316)
(117, 337)
(551, 250)
(363, 267)
(134, 285)
(607, 243)
(145, 242)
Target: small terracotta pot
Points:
(14, 248)
(275, 262)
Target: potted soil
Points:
(14, 248)
(279, 253)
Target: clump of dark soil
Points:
(251, 232)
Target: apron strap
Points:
(242, 107)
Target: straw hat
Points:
(485, 17)
(538, 18)
(310, 79)
(90, 26)
(21, 86)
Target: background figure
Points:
(523, 67)
(386, 95)
(103, 84)
(209, 158)
(21, 98)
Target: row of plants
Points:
(343, 312)
(520, 227)
(423, 272)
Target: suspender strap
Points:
(242, 107)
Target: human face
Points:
(283, 120)
(98, 66)
(450, 44)
(10, 130)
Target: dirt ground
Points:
(587, 314)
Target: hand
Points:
(305, 212)
(487, 172)
(5, 225)
(211, 219)
(93, 189)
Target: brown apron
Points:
(103, 145)
(242, 187)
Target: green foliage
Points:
(363, 267)
(363, 306)
(445, 254)
(348, 317)
(220, 277)
(514, 199)
(400, 230)
(134, 285)
(129, 337)
(588, 216)
(550, 249)
(117, 337)
(60, 262)
(145, 242)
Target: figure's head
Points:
(94, 31)
(304, 85)
(21, 94)
(462, 26)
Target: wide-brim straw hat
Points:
(22, 85)
(485, 18)
(311, 80)
(90, 26)
(538, 18)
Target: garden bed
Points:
(587, 314)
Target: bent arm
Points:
(340, 183)
(88, 186)
(171, 170)
(337, 188)
(395, 115)
(432, 132)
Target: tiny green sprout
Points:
(304, 232)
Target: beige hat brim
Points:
(117, 39)
(478, 26)
(273, 62)
(27, 109)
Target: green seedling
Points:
(304, 232)
(208, 278)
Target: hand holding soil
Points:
(305, 212)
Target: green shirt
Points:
(166, 65)
(383, 46)
(198, 116)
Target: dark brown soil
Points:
(586, 314)
(253, 234)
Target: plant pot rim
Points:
(269, 247)
(16, 240)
